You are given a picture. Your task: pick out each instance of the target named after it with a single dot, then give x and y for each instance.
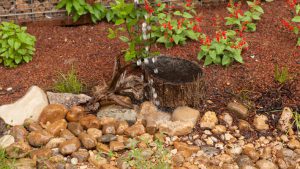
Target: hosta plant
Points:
(175, 26)
(244, 20)
(121, 11)
(224, 49)
(293, 24)
(16, 45)
(77, 8)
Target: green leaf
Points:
(111, 34)
(255, 16)
(212, 54)
(201, 54)
(187, 15)
(297, 8)
(207, 61)
(238, 58)
(18, 59)
(119, 21)
(69, 8)
(296, 30)
(11, 42)
(176, 39)
(298, 42)
(162, 39)
(27, 58)
(296, 19)
(226, 60)
(258, 9)
(17, 45)
(124, 39)
(178, 13)
(61, 4)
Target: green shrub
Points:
(77, 8)
(224, 49)
(69, 83)
(16, 46)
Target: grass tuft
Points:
(69, 83)
(5, 162)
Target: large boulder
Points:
(29, 106)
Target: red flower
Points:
(224, 35)
(158, 4)
(198, 19)
(165, 25)
(236, 4)
(170, 27)
(218, 37)
(171, 40)
(179, 24)
(148, 8)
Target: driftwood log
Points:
(174, 82)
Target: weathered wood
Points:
(178, 82)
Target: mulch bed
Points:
(92, 54)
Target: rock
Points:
(25, 163)
(6, 141)
(52, 113)
(116, 146)
(67, 99)
(56, 127)
(29, 106)
(19, 133)
(226, 117)
(18, 150)
(244, 125)
(185, 114)
(118, 113)
(31, 125)
(82, 155)
(135, 130)
(121, 127)
(55, 142)
(185, 149)
(96, 160)
(107, 138)
(44, 163)
(233, 149)
(107, 120)
(39, 138)
(95, 133)
(176, 128)
(177, 160)
(239, 109)
(219, 129)
(90, 121)
(293, 144)
(250, 151)
(74, 161)
(210, 151)
(267, 153)
(67, 134)
(69, 146)
(260, 122)
(44, 153)
(285, 121)
(75, 128)
(266, 164)
(102, 147)
(87, 141)
(209, 120)
(153, 117)
(243, 161)
(75, 113)
(3, 127)
(109, 129)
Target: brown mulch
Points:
(89, 50)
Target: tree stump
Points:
(174, 82)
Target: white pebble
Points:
(74, 161)
(139, 62)
(9, 89)
(156, 70)
(146, 61)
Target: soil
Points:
(92, 54)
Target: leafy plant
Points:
(161, 156)
(121, 11)
(5, 162)
(138, 40)
(77, 8)
(282, 75)
(175, 27)
(296, 121)
(293, 24)
(16, 46)
(69, 83)
(244, 21)
(223, 49)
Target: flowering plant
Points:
(244, 20)
(174, 27)
(223, 49)
(139, 39)
(293, 25)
